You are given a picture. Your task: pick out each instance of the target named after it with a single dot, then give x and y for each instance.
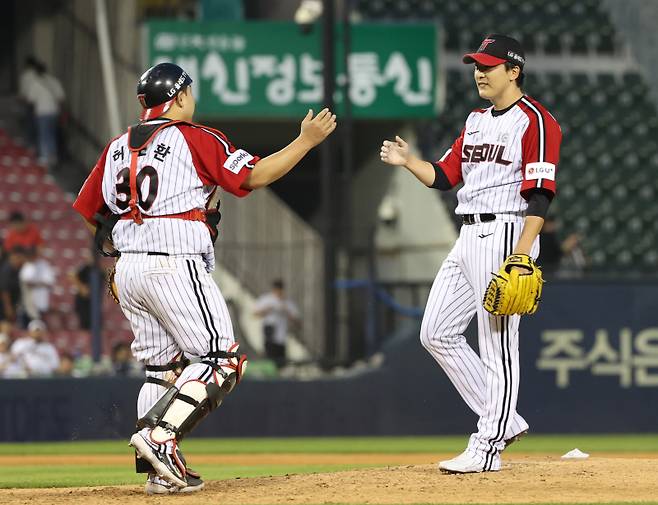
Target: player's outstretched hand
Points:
(395, 153)
(315, 129)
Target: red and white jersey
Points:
(177, 171)
(500, 155)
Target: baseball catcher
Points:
(149, 202)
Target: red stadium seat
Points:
(27, 186)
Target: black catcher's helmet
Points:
(158, 86)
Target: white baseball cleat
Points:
(466, 462)
(157, 485)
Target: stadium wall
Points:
(589, 362)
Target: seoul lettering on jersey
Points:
(484, 152)
(500, 157)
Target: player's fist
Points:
(315, 129)
(395, 152)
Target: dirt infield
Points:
(524, 479)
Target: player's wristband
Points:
(440, 179)
(538, 203)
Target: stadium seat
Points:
(67, 240)
(550, 26)
(609, 155)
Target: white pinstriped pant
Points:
(488, 383)
(173, 306)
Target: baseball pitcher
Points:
(506, 157)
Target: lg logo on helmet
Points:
(176, 88)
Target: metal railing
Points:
(636, 19)
(261, 239)
(76, 63)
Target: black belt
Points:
(157, 254)
(473, 218)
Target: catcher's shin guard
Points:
(156, 412)
(214, 397)
(195, 399)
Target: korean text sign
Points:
(273, 69)
(589, 357)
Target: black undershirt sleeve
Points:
(538, 202)
(440, 179)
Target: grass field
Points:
(69, 464)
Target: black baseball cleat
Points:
(515, 438)
(165, 458)
(157, 485)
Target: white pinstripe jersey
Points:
(177, 171)
(501, 155)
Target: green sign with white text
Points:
(272, 69)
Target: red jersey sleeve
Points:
(540, 149)
(90, 198)
(217, 161)
(451, 161)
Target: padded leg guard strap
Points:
(193, 404)
(215, 398)
(196, 399)
(154, 415)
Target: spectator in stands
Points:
(563, 258)
(277, 312)
(9, 367)
(46, 95)
(37, 278)
(550, 247)
(21, 234)
(10, 290)
(66, 366)
(575, 260)
(81, 285)
(5, 356)
(28, 75)
(123, 363)
(38, 357)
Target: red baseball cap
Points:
(497, 49)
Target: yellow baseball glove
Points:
(514, 292)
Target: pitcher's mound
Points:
(527, 480)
